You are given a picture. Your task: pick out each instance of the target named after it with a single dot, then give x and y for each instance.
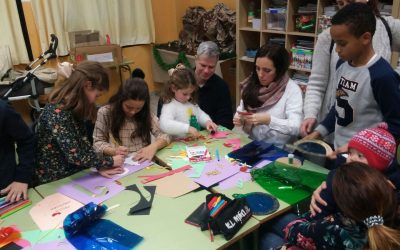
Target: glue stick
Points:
(290, 158)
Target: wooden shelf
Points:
(247, 59)
(296, 33)
(247, 37)
(274, 31)
(299, 69)
(249, 29)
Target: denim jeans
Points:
(271, 233)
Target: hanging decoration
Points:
(166, 66)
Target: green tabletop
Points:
(164, 227)
(22, 218)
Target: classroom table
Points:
(164, 228)
(22, 218)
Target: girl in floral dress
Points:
(64, 147)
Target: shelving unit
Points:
(249, 37)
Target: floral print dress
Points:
(332, 232)
(63, 146)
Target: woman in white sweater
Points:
(320, 94)
(271, 105)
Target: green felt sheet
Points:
(287, 183)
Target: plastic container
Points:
(276, 18)
(305, 22)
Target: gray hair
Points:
(208, 48)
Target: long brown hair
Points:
(180, 77)
(133, 89)
(71, 94)
(279, 57)
(360, 192)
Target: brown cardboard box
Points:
(83, 38)
(107, 54)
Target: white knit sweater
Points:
(286, 117)
(174, 119)
(320, 95)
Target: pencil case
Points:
(226, 216)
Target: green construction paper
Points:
(178, 147)
(197, 167)
(178, 163)
(35, 236)
(287, 183)
(221, 128)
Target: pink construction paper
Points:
(219, 135)
(70, 190)
(232, 181)
(235, 142)
(224, 168)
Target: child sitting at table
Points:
(366, 218)
(125, 125)
(63, 143)
(180, 105)
(375, 147)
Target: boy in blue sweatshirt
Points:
(368, 89)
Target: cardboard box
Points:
(83, 38)
(107, 54)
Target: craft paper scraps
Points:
(96, 193)
(8, 235)
(235, 143)
(50, 212)
(144, 205)
(175, 185)
(149, 178)
(219, 135)
(240, 177)
(215, 171)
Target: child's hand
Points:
(211, 126)
(146, 153)
(193, 132)
(121, 150)
(237, 120)
(118, 160)
(316, 199)
(342, 149)
(15, 190)
(109, 172)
